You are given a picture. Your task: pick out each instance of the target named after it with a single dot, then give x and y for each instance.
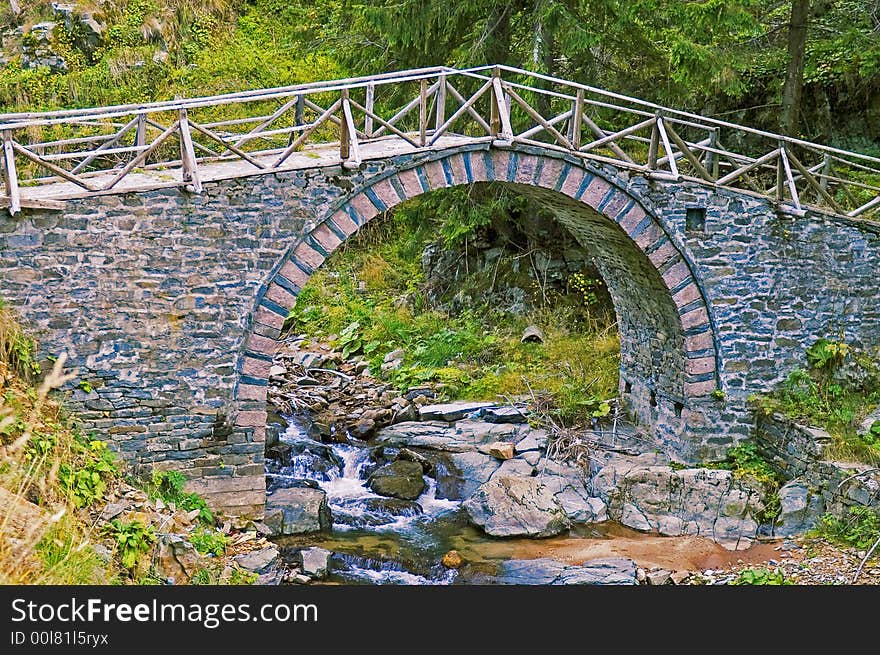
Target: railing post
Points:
(780, 173)
(654, 145)
(188, 155)
(423, 111)
(440, 117)
(370, 101)
(344, 137)
(826, 171)
(500, 116)
(10, 174)
(575, 135)
(140, 134)
(711, 157)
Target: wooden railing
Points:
(93, 150)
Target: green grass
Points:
(369, 299)
(860, 528)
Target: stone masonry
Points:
(169, 304)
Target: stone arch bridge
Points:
(161, 247)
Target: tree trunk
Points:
(794, 78)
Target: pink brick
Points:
(259, 344)
(696, 389)
(478, 167)
(573, 182)
(675, 275)
(595, 193)
(257, 368)
(663, 254)
(364, 208)
(251, 419)
(618, 202)
(268, 317)
(694, 318)
(687, 295)
(633, 217)
(325, 236)
(281, 296)
(386, 193)
(259, 433)
(308, 255)
(252, 392)
(698, 342)
(343, 222)
(700, 365)
(409, 180)
(436, 176)
(459, 174)
(500, 159)
(293, 273)
(525, 169)
(648, 236)
(550, 173)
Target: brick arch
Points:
(584, 186)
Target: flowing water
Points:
(377, 540)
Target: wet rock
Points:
(280, 451)
(297, 510)
(315, 562)
(800, 509)
(392, 506)
(499, 450)
(452, 560)
(258, 561)
(450, 411)
(400, 479)
(546, 571)
(467, 472)
(510, 506)
(413, 456)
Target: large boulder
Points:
(450, 411)
(511, 506)
(465, 473)
(399, 479)
(800, 509)
(315, 562)
(297, 510)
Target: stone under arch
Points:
(669, 351)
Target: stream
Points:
(380, 540)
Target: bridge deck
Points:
(312, 156)
(55, 156)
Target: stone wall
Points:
(168, 304)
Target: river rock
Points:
(499, 450)
(452, 560)
(413, 456)
(399, 479)
(509, 506)
(315, 562)
(450, 411)
(258, 561)
(708, 502)
(297, 510)
(392, 506)
(533, 440)
(580, 508)
(660, 577)
(800, 509)
(517, 466)
(505, 414)
(546, 571)
(467, 472)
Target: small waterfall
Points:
(375, 571)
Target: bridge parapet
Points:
(56, 156)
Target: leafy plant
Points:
(132, 539)
(169, 486)
(85, 475)
(209, 541)
(825, 354)
(350, 339)
(859, 529)
(761, 576)
(748, 464)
